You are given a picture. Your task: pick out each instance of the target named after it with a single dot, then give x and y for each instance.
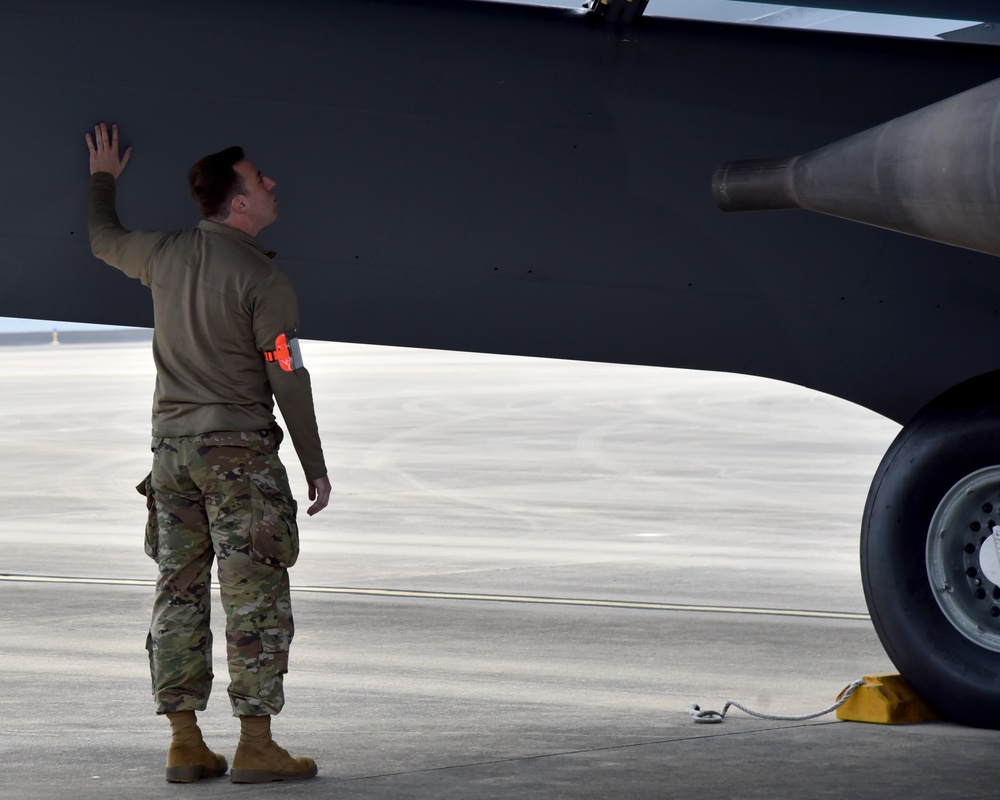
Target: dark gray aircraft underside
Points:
(503, 179)
(498, 178)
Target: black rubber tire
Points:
(953, 436)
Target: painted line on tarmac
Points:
(571, 601)
(486, 598)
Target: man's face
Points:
(261, 204)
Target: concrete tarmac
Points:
(529, 570)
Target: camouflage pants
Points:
(220, 495)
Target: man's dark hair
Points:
(214, 182)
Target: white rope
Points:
(716, 716)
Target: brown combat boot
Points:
(189, 758)
(259, 760)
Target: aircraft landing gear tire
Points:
(930, 563)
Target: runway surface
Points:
(529, 570)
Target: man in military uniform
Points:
(225, 349)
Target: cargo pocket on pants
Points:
(274, 534)
(152, 540)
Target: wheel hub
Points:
(963, 557)
(989, 556)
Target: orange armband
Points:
(286, 352)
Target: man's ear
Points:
(238, 205)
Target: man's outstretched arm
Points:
(128, 251)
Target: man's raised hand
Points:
(104, 153)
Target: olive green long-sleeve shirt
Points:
(219, 304)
